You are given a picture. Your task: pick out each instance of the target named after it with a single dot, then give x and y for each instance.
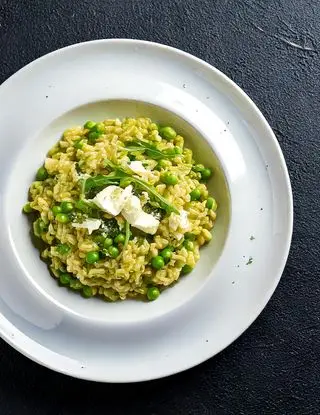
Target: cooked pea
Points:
(206, 174)
(42, 173)
(168, 133)
(119, 239)
(92, 257)
(157, 262)
(190, 236)
(188, 245)
(186, 269)
(178, 150)
(56, 210)
(93, 136)
(153, 293)
(39, 227)
(89, 125)
(195, 194)
(99, 128)
(166, 254)
(113, 251)
(198, 168)
(87, 291)
(78, 144)
(75, 284)
(162, 164)
(63, 249)
(27, 208)
(211, 204)
(66, 207)
(107, 243)
(62, 218)
(169, 178)
(65, 278)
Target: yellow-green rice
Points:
(78, 154)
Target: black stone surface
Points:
(271, 49)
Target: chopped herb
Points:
(151, 150)
(252, 238)
(249, 261)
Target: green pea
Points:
(113, 251)
(75, 284)
(89, 125)
(87, 291)
(206, 174)
(186, 269)
(65, 278)
(189, 245)
(92, 257)
(62, 218)
(153, 293)
(178, 150)
(56, 210)
(211, 204)
(27, 208)
(42, 226)
(124, 182)
(107, 243)
(119, 239)
(162, 164)
(82, 206)
(66, 207)
(42, 174)
(39, 227)
(198, 168)
(78, 144)
(190, 236)
(93, 137)
(169, 178)
(157, 262)
(99, 128)
(168, 133)
(195, 194)
(63, 249)
(166, 254)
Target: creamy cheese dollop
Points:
(90, 224)
(115, 200)
(112, 199)
(179, 222)
(134, 214)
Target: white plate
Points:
(206, 311)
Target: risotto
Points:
(121, 209)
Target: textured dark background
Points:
(271, 49)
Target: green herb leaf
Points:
(151, 150)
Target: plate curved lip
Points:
(31, 352)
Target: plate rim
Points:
(289, 198)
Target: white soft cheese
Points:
(90, 224)
(132, 209)
(179, 221)
(112, 199)
(137, 167)
(134, 214)
(146, 223)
